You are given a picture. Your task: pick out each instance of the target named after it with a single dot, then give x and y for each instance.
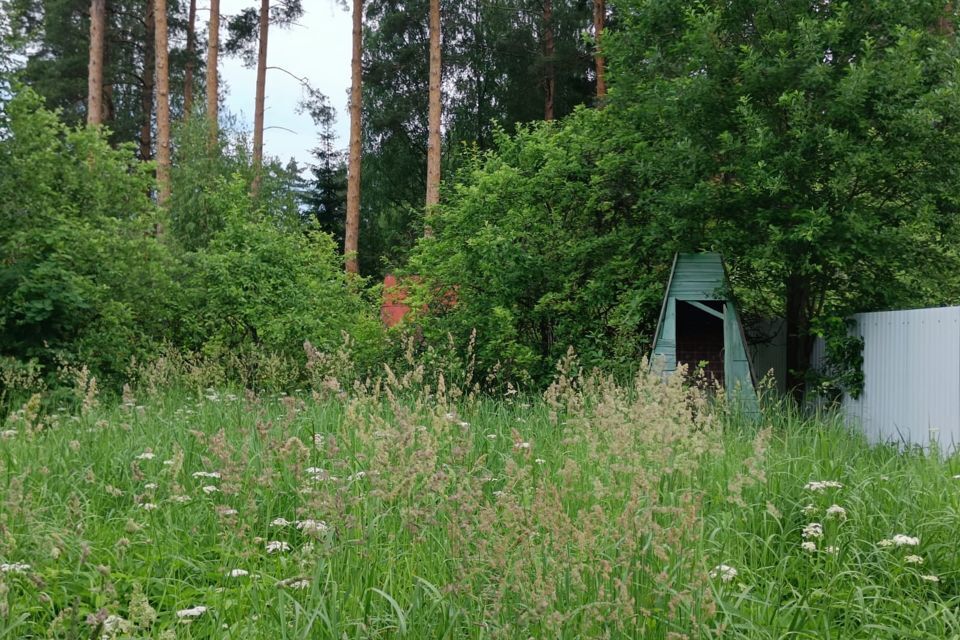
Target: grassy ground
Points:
(404, 511)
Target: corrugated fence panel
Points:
(911, 366)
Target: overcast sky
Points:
(318, 49)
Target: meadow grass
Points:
(405, 509)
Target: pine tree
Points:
(163, 103)
(351, 237)
(98, 29)
(436, 105)
(213, 73)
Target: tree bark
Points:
(189, 65)
(163, 103)
(434, 140)
(146, 95)
(98, 28)
(599, 23)
(351, 236)
(213, 77)
(799, 340)
(259, 105)
(549, 52)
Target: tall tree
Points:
(147, 82)
(352, 231)
(260, 99)
(98, 31)
(191, 59)
(213, 73)
(436, 106)
(163, 103)
(549, 52)
(599, 24)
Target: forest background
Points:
(813, 143)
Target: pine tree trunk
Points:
(549, 52)
(146, 95)
(259, 106)
(98, 28)
(351, 237)
(213, 76)
(191, 54)
(163, 103)
(599, 23)
(434, 140)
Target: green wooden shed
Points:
(699, 324)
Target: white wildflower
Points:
(151, 486)
(318, 439)
(957, 477)
(491, 436)
(521, 445)
(813, 530)
(9, 433)
(312, 527)
(808, 546)
(913, 559)
(810, 510)
(16, 567)
(831, 550)
(226, 511)
(885, 543)
(280, 522)
(901, 540)
(146, 455)
(167, 463)
(148, 506)
(206, 474)
(294, 583)
(836, 511)
(239, 573)
(181, 499)
(820, 485)
(193, 612)
(275, 546)
(540, 461)
(208, 489)
(726, 573)
(930, 578)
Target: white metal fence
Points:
(911, 367)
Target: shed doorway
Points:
(700, 338)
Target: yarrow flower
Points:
(226, 511)
(181, 499)
(151, 486)
(206, 474)
(314, 527)
(813, 530)
(193, 612)
(930, 578)
(15, 567)
(836, 511)
(279, 522)
(820, 485)
(831, 550)
(9, 433)
(275, 546)
(809, 547)
(540, 461)
(208, 489)
(810, 510)
(725, 572)
(146, 455)
(521, 445)
(294, 583)
(239, 573)
(901, 540)
(148, 506)
(913, 559)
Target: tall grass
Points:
(404, 508)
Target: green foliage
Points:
(82, 279)
(545, 249)
(259, 286)
(815, 148)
